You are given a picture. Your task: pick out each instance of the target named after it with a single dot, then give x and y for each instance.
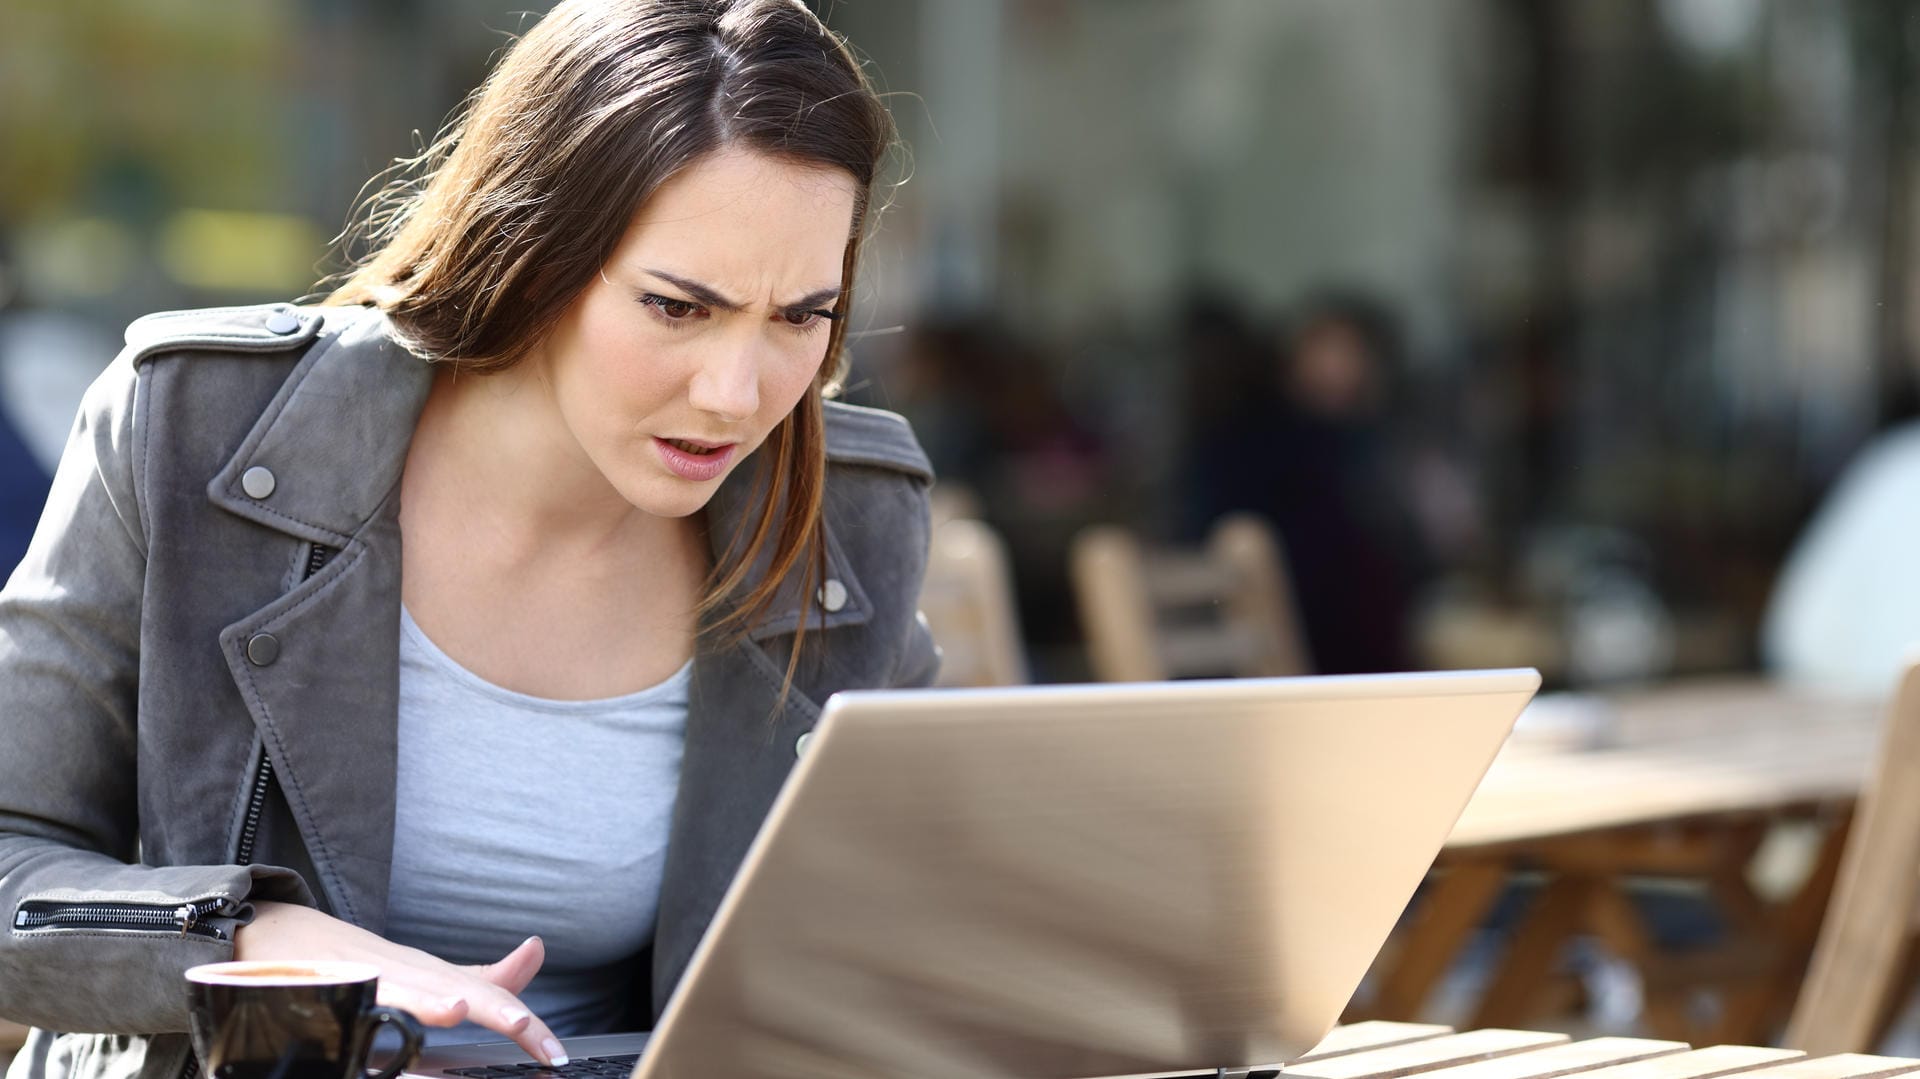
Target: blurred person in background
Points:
(1340, 494)
(546, 497)
(1316, 455)
(1845, 612)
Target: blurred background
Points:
(1538, 331)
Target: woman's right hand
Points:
(439, 993)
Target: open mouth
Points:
(696, 462)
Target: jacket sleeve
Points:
(69, 731)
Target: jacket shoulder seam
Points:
(223, 329)
(858, 435)
(143, 454)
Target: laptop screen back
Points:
(1081, 880)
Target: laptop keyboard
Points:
(590, 1068)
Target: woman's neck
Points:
(522, 563)
(494, 446)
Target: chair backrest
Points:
(951, 501)
(1864, 940)
(1223, 609)
(967, 599)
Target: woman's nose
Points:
(727, 384)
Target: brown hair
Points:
(485, 238)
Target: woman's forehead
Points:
(747, 221)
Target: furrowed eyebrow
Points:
(818, 298)
(700, 293)
(705, 294)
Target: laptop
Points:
(1167, 879)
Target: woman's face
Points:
(704, 329)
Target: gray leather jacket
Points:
(199, 670)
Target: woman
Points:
(468, 623)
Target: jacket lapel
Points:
(740, 746)
(319, 666)
(743, 737)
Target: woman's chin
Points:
(669, 496)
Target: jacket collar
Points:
(335, 437)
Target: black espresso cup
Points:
(292, 1020)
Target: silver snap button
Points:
(833, 595)
(257, 481)
(283, 323)
(800, 744)
(262, 649)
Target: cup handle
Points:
(410, 1039)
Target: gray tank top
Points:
(517, 815)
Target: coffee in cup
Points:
(276, 1019)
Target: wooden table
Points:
(1685, 781)
(1384, 1050)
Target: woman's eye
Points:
(671, 309)
(806, 319)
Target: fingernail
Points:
(556, 1056)
(515, 1016)
(454, 1004)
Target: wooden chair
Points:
(1863, 963)
(1225, 609)
(968, 603)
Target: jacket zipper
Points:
(187, 919)
(184, 918)
(256, 805)
(317, 557)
